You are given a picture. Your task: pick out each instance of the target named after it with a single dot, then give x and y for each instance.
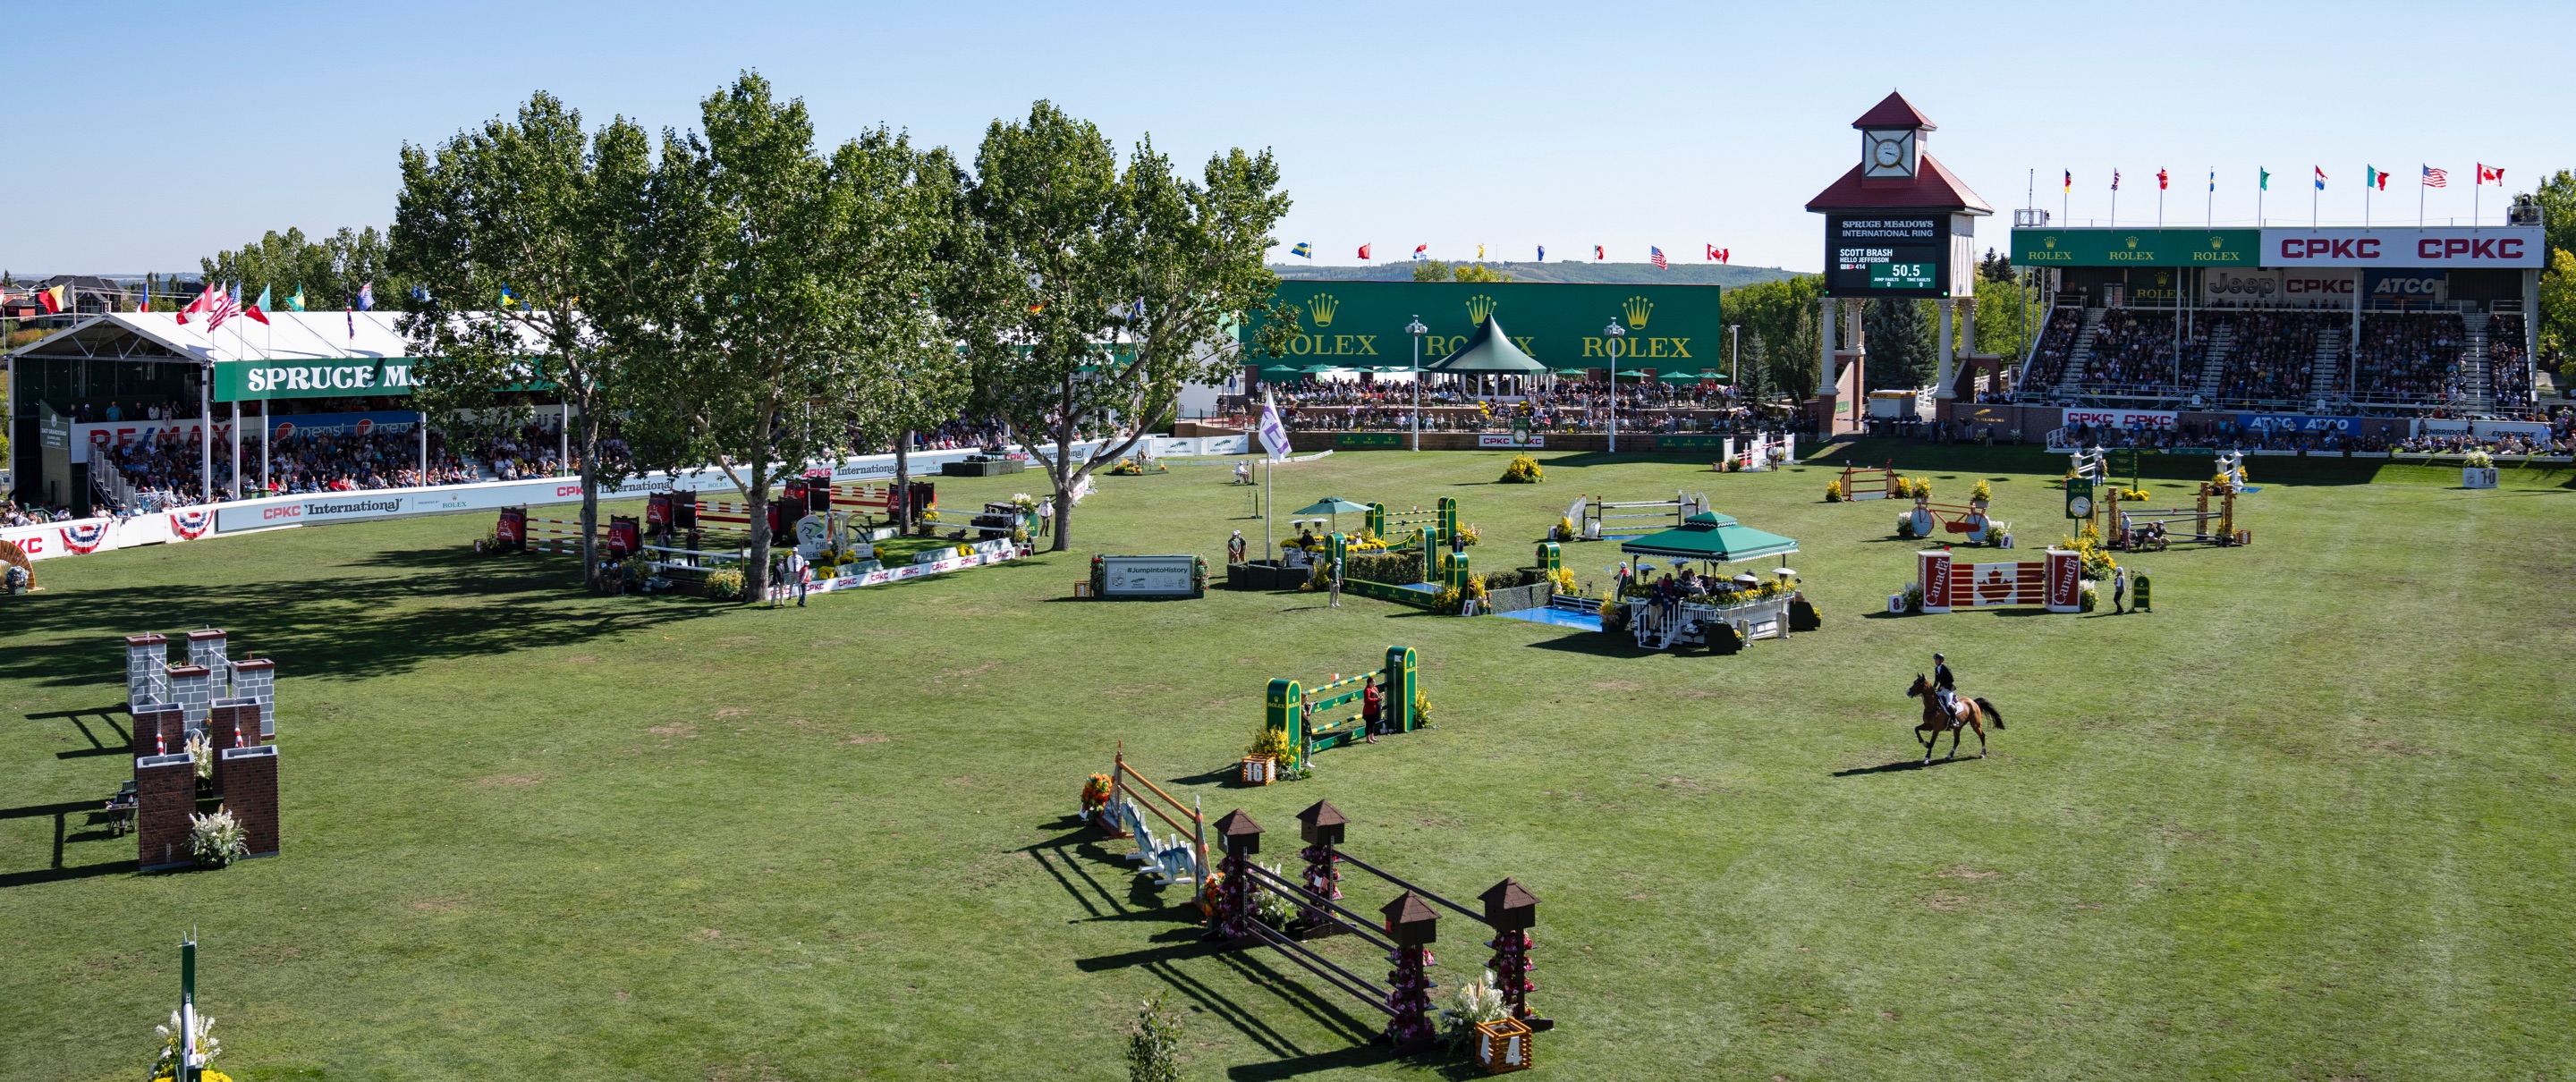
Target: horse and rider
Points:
(1945, 711)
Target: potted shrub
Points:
(1269, 749)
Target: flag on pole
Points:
(2321, 176)
(1480, 253)
(1274, 434)
(1655, 256)
(2375, 177)
(367, 296)
(2213, 180)
(1302, 251)
(1542, 253)
(227, 304)
(2070, 180)
(295, 300)
(2115, 180)
(2486, 174)
(2436, 178)
(1717, 253)
(1364, 251)
(55, 299)
(205, 302)
(1421, 251)
(508, 298)
(2263, 179)
(2163, 181)
(145, 305)
(258, 309)
(1596, 252)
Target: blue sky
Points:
(153, 134)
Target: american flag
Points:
(1656, 256)
(226, 305)
(2436, 178)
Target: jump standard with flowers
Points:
(1244, 903)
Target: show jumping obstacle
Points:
(1598, 520)
(1872, 482)
(2055, 583)
(1290, 709)
(1385, 525)
(232, 706)
(1405, 927)
(1181, 856)
(2127, 522)
(1756, 454)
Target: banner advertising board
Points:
(378, 422)
(2240, 287)
(2120, 418)
(2294, 422)
(2137, 247)
(2401, 288)
(1532, 440)
(1361, 324)
(1149, 576)
(237, 381)
(89, 436)
(2435, 246)
(1887, 255)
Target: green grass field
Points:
(2307, 820)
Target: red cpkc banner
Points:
(2439, 246)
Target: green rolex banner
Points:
(2137, 247)
(1362, 324)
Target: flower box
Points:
(1503, 1045)
(2478, 477)
(1260, 769)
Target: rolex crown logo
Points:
(1323, 305)
(2133, 244)
(1478, 307)
(2051, 242)
(2217, 242)
(1637, 309)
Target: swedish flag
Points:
(1303, 250)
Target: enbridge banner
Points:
(1361, 324)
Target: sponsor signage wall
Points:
(2323, 288)
(2120, 418)
(2293, 422)
(2397, 288)
(244, 380)
(1149, 576)
(2137, 247)
(2491, 246)
(1532, 440)
(89, 436)
(379, 422)
(1361, 324)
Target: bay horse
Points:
(1968, 713)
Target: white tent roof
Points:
(289, 337)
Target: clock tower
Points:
(1890, 153)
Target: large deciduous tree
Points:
(785, 287)
(329, 271)
(1099, 292)
(546, 210)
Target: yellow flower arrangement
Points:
(1523, 470)
(1920, 488)
(1833, 492)
(1564, 580)
(1983, 491)
(1564, 528)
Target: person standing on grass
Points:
(1234, 548)
(2119, 589)
(1372, 706)
(801, 572)
(1046, 517)
(1336, 601)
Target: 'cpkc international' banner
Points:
(1362, 324)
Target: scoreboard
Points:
(1887, 255)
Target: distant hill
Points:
(1625, 274)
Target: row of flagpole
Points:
(1600, 253)
(2375, 178)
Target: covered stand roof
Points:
(1712, 537)
(289, 337)
(1488, 350)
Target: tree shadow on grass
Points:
(333, 623)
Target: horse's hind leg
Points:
(1981, 739)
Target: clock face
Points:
(1889, 153)
(2079, 506)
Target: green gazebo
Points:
(1488, 354)
(1711, 537)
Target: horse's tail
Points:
(1991, 712)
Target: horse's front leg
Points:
(1954, 744)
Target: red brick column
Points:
(159, 730)
(250, 793)
(165, 794)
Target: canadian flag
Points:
(205, 302)
(2490, 173)
(1364, 251)
(1717, 253)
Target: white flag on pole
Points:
(1274, 435)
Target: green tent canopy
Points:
(1712, 537)
(1488, 350)
(1333, 505)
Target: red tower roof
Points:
(1933, 187)
(1894, 112)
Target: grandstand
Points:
(2365, 322)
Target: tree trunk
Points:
(590, 575)
(902, 501)
(1064, 478)
(755, 579)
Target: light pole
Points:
(1613, 331)
(1417, 330)
(1735, 358)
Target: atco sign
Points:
(2493, 246)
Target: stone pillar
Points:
(250, 793)
(1827, 314)
(165, 794)
(256, 680)
(192, 691)
(1968, 326)
(206, 649)
(159, 730)
(145, 656)
(1949, 358)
